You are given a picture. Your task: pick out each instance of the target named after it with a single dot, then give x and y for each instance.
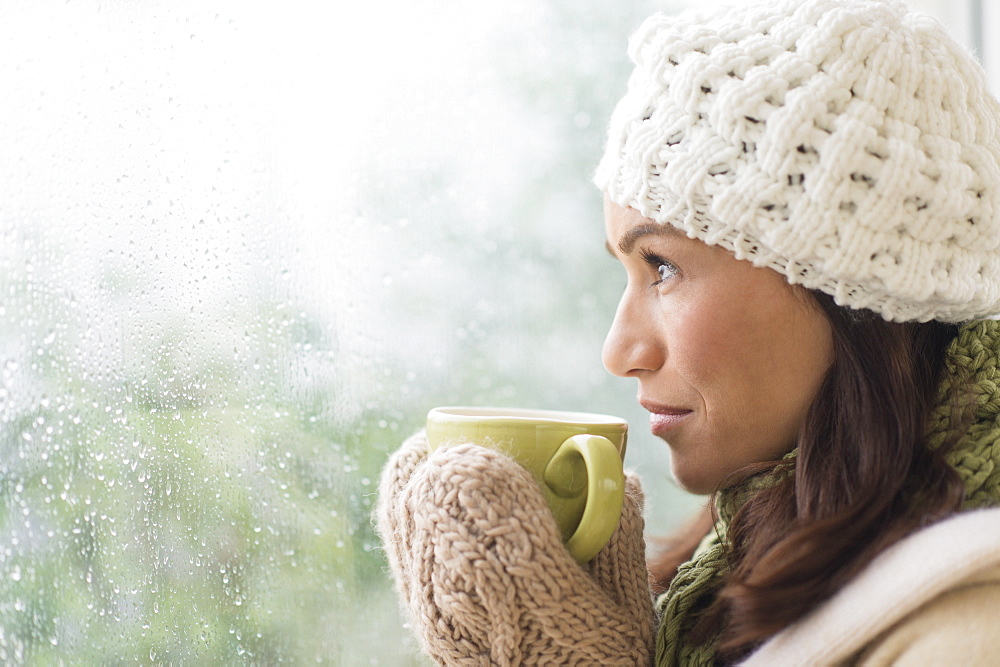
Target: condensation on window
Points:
(243, 249)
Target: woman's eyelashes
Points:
(664, 268)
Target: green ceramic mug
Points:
(576, 458)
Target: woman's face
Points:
(728, 355)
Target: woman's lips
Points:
(663, 418)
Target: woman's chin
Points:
(696, 479)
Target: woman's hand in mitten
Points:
(482, 570)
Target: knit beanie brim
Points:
(850, 145)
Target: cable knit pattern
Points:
(482, 572)
(697, 581)
(690, 590)
(973, 359)
(847, 144)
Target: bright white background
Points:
(243, 249)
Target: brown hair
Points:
(863, 479)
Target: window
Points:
(243, 251)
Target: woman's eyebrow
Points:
(628, 240)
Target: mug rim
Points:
(463, 413)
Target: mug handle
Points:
(605, 489)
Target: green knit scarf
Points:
(973, 360)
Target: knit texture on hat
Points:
(847, 144)
(973, 369)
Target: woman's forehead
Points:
(626, 226)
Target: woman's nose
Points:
(633, 344)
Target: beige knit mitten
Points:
(483, 573)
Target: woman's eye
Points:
(665, 269)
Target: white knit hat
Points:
(847, 144)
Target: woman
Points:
(806, 200)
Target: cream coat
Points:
(932, 599)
